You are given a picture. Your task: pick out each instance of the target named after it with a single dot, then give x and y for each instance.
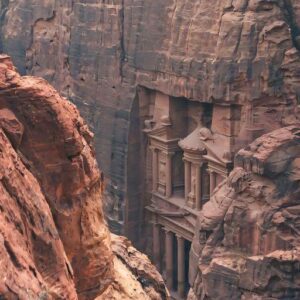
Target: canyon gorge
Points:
(55, 243)
(191, 110)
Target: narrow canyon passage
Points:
(190, 108)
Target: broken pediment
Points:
(193, 142)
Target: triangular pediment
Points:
(163, 133)
(212, 156)
(218, 149)
(193, 142)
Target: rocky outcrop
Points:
(246, 244)
(54, 143)
(54, 242)
(97, 53)
(33, 261)
(242, 52)
(136, 278)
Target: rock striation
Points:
(54, 242)
(246, 244)
(138, 280)
(97, 52)
(132, 66)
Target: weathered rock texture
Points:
(246, 244)
(139, 279)
(97, 52)
(54, 242)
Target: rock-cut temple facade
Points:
(189, 149)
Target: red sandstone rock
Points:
(33, 262)
(49, 136)
(245, 52)
(54, 242)
(135, 277)
(246, 244)
(95, 52)
(140, 266)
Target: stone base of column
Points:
(191, 202)
(169, 279)
(181, 288)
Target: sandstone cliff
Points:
(98, 52)
(247, 238)
(54, 242)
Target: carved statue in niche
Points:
(162, 173)
(192, 194)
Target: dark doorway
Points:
(187, 248)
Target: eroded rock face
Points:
(33, 261)
(246, 244)
(97, 52)
(54, 242)
(136, 278)
(54, 143)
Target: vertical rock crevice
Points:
(3, 9)
(287, 8)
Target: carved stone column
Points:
(169, 259)
(187, 179)
(154, 169)
(156, 245)
(169, 183)
(181, 266)
(198, 186)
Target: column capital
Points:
(186, 160)
(152, 148)
(168, 154)
(179, 236)
(211, 171)
(167, 230)
(155, 223)
(198, 163)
